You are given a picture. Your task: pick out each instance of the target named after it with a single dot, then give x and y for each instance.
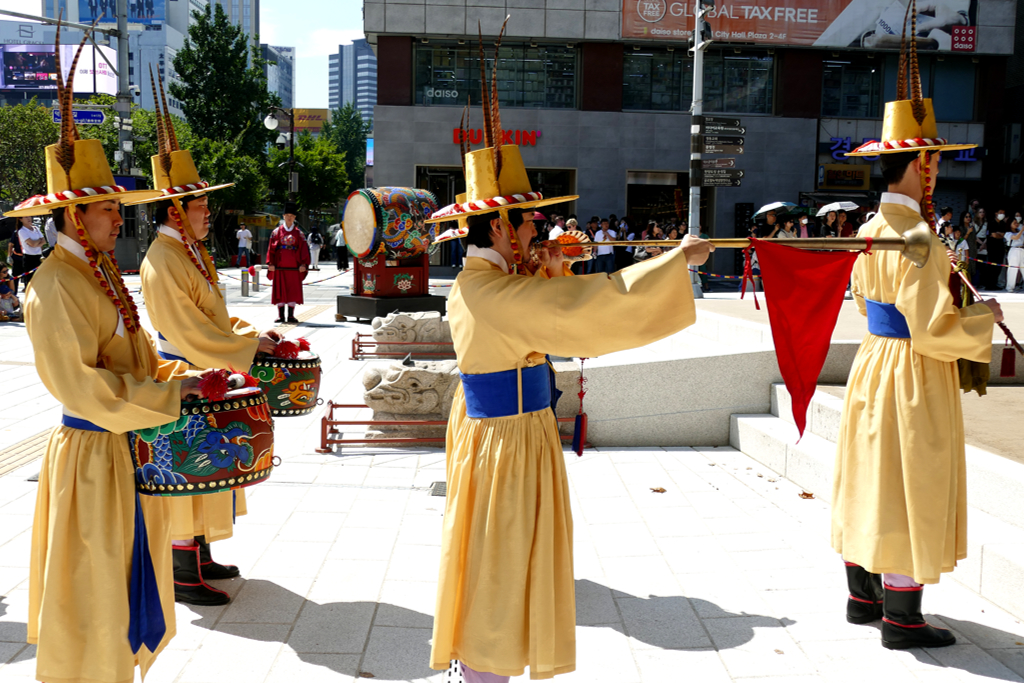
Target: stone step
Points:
(994, 567)
(994, 483)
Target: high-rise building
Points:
(280, 72)
(156, 31)
(243, 13)
(353, 78)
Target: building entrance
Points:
(663, 197)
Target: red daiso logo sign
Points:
(512, 137)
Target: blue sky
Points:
(315, 28)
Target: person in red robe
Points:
(287, 263)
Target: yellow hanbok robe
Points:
(85, 510)
(899, 501)
(506, 598)
(192, 315)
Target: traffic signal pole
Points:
(123, 107)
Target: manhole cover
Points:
(439, 488)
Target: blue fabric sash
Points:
(169, 356)
(496, 394)
(146, 625)
(79, 423)
(885, 320)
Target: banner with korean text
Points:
(948, 25)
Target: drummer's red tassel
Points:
(303, 344)
(288, 350)
(250, 381)
(214, 385)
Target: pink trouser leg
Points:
(472, 676)
(899, 581)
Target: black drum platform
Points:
(369, 307)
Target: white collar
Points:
(72, 246)
(487, 254)
(170, 232)
(901, 199)
(286, 226)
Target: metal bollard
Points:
(256, 280)
(245, 282)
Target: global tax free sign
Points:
(872, 24)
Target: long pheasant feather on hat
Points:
(163, 149)
(497, 134)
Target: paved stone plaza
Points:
(727, 575)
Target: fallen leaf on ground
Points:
(658, 490)
(760, 475)
(750, 468)
(773, 480)
(779, 652)
(366, 674)
(805, 495)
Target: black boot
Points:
(865, 602)
(291, 315)
(904, 627)
(213, 571)
(280, 314)
(189, 586)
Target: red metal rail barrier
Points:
(328, 421)
(364, 346)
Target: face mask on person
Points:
(1018, 217)
(1000, 216)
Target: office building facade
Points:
(280, 72)
(352, 77)
(597, 95)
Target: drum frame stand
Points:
(330, 436)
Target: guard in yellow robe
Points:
(100, 581)
(506, 596)
(179, 283)
(899, 503)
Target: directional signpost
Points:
(722, 162)
(719, 126)
(721, 177)
(722, 149)
(84, 117)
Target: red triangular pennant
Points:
(804, 291)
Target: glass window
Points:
(851, 90)
(660, 80)
(542, 76)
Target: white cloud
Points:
(325, 41)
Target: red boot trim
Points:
(904, 589)
(866, 602)
(896, 623)
(851, 564)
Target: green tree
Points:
(322, 178)
(25, 130)
(220, 162)
(348, 131)
(221, 83)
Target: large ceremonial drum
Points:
(389, 220)
(291, 385)
(214, 446)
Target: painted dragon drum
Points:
(291, 385)
(389, 220)
(214, 446)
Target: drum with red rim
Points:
(213, 446)
(389, 220)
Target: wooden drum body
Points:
(389, 220)
(214, 446)
(291, 385)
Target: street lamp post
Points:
(271, 123)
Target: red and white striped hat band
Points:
(186, 188)
(900, 145)
(68, 195)
(487, 204)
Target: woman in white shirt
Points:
(1015, 259)
(32, 243)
